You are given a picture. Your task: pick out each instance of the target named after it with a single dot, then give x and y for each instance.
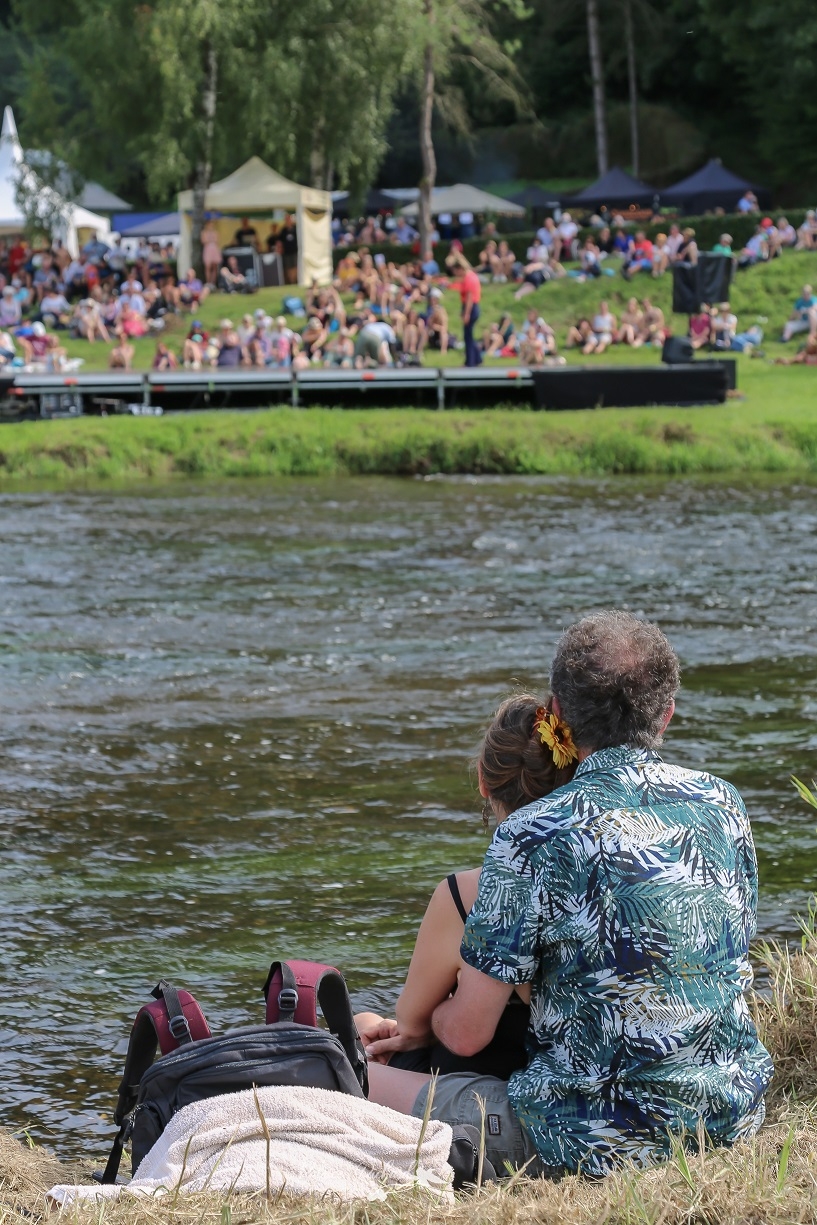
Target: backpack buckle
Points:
(287, 999)
(180, 1028)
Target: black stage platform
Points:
(24, 395)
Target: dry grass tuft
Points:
(787, 1017)
(770, 1180)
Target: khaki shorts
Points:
(507, 1145)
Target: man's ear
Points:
(483, 790)
(668, 716)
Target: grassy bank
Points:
(771, 1178)
(774, 430)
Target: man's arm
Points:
(467, 1022)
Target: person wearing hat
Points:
(230, 351)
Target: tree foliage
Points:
(116, 87)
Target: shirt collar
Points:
(613, 758)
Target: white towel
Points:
(319, 1142)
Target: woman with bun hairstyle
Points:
(527, 752)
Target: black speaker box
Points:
(676, 350)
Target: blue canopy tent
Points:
(713, 186)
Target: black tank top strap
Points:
(456, 895)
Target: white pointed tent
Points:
(74, 218)
(255, 189)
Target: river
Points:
(238, 722)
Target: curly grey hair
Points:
(615, 677)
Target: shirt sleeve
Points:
(502, 933)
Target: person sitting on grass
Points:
(589, 260)
(191, 291)
(231, 279)
(436, 322)
(807, 232)
(786, 233)
(627, 900)
(604, 329)
(700, 328)
(8, 351)
(538, 342)
(631, 325)
(660, 255)
(123, 352)
(687, 250)
(641, 258)
(231, 352)
(514, 767)
(487, 255)
(724, 326)
(34, 341)
(623, 244)
(580, 336)
(756, 250)
(653, 327)
(164, 359)
(723, 246)
(806, 356)
(502, 263)
(11, 312)
(500, 336)
(803, 316)
(55, 310)
(195, 345)
(87, 321)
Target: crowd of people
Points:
(378, 311)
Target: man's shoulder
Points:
(641, 783)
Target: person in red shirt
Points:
(470, 288)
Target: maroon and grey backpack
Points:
(290, 1049)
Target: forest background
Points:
(145, 97)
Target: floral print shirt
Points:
(627, 899)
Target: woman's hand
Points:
(381, 1037)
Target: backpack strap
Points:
(173, 1019)
(293, 991)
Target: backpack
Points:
(290, 1049)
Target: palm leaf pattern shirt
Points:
(627, 899)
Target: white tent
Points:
(463, 198)
(77, 223)
(255, 189)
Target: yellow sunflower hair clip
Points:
(556, 735)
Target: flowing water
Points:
(237, 724)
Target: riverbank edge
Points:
(407, 442)
(769, 1178)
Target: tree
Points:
(597, 76)
(632, 85)
(453, 35)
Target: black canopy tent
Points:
(713, 186)
(614, 190)
(533, 196)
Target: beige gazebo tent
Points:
(254, 189)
